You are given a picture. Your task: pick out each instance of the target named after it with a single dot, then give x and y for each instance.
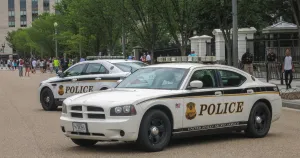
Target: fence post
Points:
(267, 72)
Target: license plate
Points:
(80, 127)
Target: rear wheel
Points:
(84, 142)
(155, 131)
(259, 121)
(47, 100)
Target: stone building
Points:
(16, 14)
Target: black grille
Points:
(80, 133)
(77, 115)
(76, 108)
(96, 116)
(98, 134)
(93, 108)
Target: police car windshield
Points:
(155, 78)
(129, 66)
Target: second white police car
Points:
(160, 101)
(85, 77)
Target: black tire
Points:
(84, 142)
(47, 100)
(147, 140)
(259, 122)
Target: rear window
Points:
(129, 66)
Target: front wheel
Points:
(47, 100)
(155, 131)
(259, 121)
(84, 142)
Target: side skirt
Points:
(209, 129)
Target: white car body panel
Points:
(94, 82)
(176, 101)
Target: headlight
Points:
(125, 110)
(64, 108)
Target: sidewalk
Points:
(294, 104)
(295, 84)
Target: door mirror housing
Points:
(196, 84)
(60, 74)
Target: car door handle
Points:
(250, 91)
(74, 79)
(218, 93)
(98, 78)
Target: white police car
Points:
(84, 77)
(160, 101)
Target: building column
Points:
(40, 6)
(51, 5)
(202, 44)
(243, 34)
(219, 44)
(17, 14)
(272, 42)
(29, 12)
(195, 44)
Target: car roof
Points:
(187, 65)
(109, 60)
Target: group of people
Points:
(146, 58)
(44, 64)
(287, 65)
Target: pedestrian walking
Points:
(33, 66)
(192, 54)
(148, 58)
(21, 64)
(247, 60)
(56, 65)
(288, 68)
(9, 64)
(271, 64)
(50, 66)
(27, 67)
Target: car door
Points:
(94, 78)
(68, 85)
(202, 105)
(237, 99)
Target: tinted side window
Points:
(75, 71)
(231, 79)
(208, 77)
(96, 69)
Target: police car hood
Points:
(56, 78)
(114, 97)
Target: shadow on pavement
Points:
(121, 147)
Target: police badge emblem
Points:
(190, 111)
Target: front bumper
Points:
(109, 129)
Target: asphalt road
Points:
(28, 131)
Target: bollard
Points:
(281, 76)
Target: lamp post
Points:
(55, 26)
(3, 46)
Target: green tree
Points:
(181, 19)
(143, 22)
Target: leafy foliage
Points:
(91, 26)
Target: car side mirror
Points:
(60, 74)
(196, 84)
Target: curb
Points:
(291, 104)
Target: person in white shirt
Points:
(148, 58)
(288, 68)
(33, 66)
